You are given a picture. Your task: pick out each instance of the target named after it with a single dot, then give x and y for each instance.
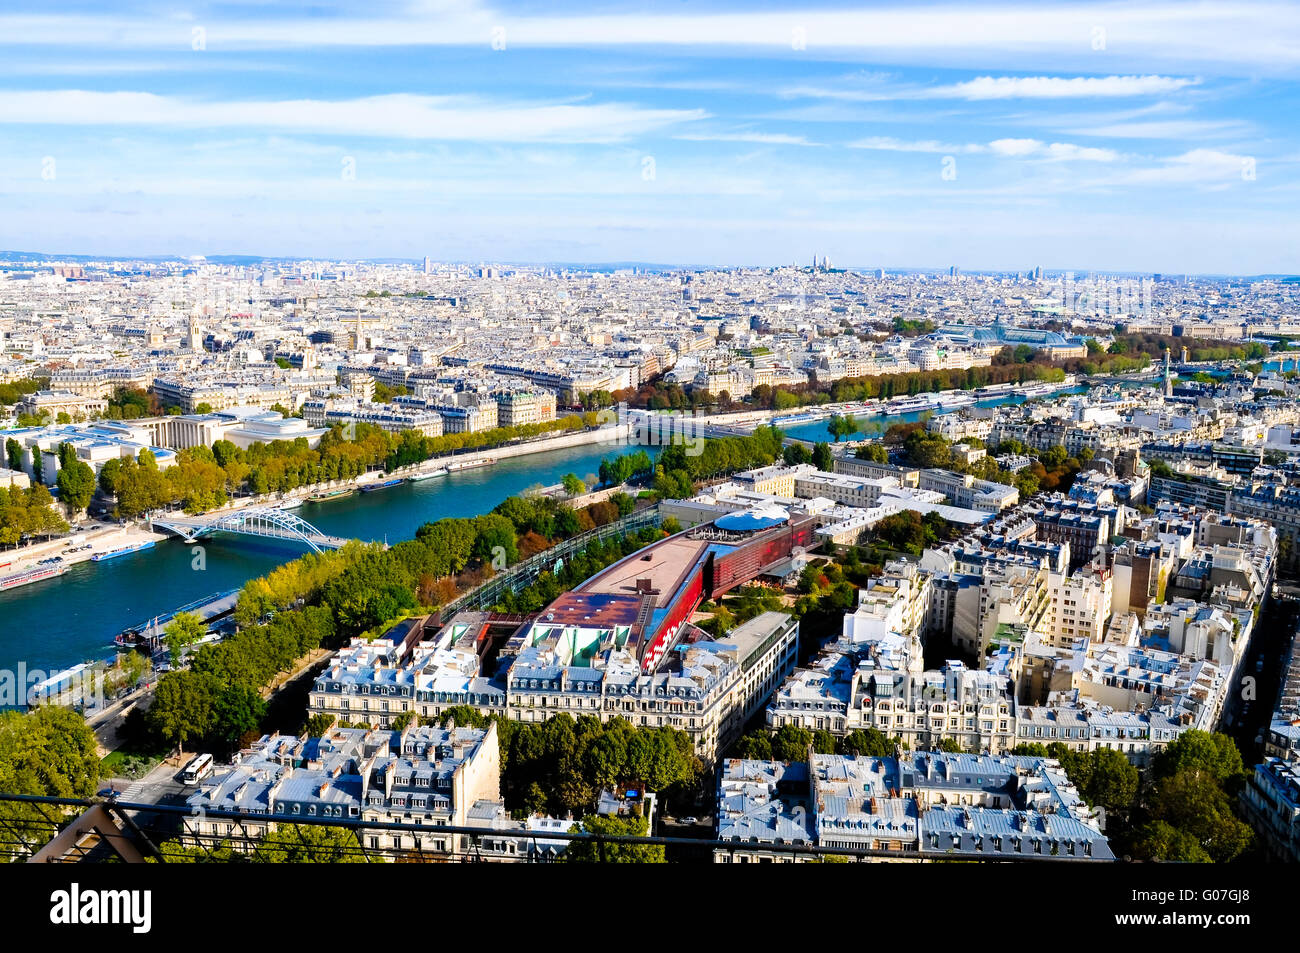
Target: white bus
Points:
(197, 770)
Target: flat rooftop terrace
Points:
(666, 564)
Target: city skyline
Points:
(993, 136)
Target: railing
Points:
(39, 829)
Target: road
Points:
(1250, 705)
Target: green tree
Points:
(869, 743)
(1192, 802)
(237, 711)
(790, 743)
(1214, 753)
(1159, 840)
(573, 485)
(76, 480)
(309, 844)
(182, 631)
(755, 746)
(875, 452)
(822, 458)
(843, 426)
(494, 537)
(183, 708)
(47, 751)
(591, 852)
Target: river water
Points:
(53, 624)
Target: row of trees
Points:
(791, 743)
(203, 478)
(886, 386)
(12, 392)
(678, 470)
(28, 512)
(217, 700)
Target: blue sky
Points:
(1119, 136)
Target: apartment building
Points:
(919, 806)
(1271, 803)
(1080, 605)
(518, 408)
(419, 775)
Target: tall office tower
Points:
(428, 265)
(954, 271)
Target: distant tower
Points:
(194, 333)
(1169, 381)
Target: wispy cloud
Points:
(1007, 148)
(1060, 87)
(401, 116)
(890, 144)
(762, 138)
(998, 87)
(1242, 37)
(1059, 151)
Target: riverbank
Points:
(615, 437)
(79, 547)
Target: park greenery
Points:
(562, 764)
(14, 391)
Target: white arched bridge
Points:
(263, 522)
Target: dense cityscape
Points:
(728, 433)
(998, 564)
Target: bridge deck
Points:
(266, 524)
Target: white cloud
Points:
(763, 138)
(1009, 148)
(1060, 151)
(399, 115)
(1247, 36)
(890, 144)
(1166, 129)
(1016, 147)
(1196, 166)
(1060, 87)
(1070, 151)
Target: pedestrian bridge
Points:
(262, 522)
